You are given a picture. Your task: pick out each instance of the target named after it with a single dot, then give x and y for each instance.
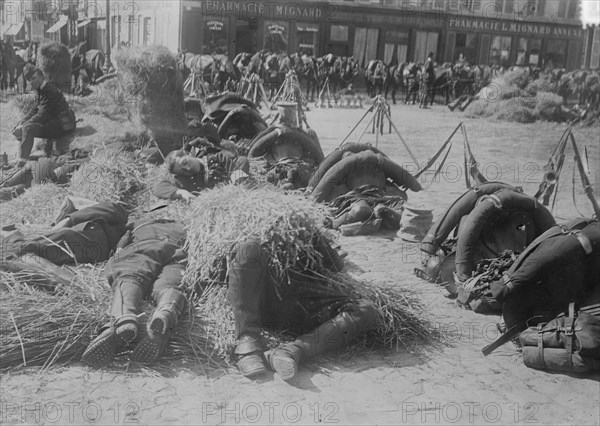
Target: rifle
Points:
(587, 186)
(510, 334)
(515, 330)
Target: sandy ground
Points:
(399, 386)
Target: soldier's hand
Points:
(21, 163)
(184, 195)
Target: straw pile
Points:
(515, 97)
(42, 328)
(153, 89)
(224, 216)
(35, 209)
(110, 175)
(54, 60)
(284, 223)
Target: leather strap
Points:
(570, 332)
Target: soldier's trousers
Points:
(148, 268)
(259, 300)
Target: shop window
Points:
(426, 43)
(439, 4)
(556, 54)
(500, 51)
(522, 52)
(509, 6)
(535, 52)
(395, 47)
(214, 35)
(245, 36)
(365, 44)
(465, 45)
(276, 36)
(307, 37)
(339, 33)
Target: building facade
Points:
(544, 33)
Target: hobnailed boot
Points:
(123, 327)
(331, 335)
(249, 356)
(160, 326)
(113, 337)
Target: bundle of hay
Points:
(107, 100)
(110, 175)
(153, 90)
(42, 328)
(284, 223)
(221, 217)
(34, 210)
(54, 60)
(516, 97)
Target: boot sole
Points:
(158, 325)
(286, 367)
(100, 352)
(148, 351)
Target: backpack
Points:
(568, 344)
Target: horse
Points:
(464, 81)
(224, 74)
(394, 80)
(443, 84)
(13, 65)
(307, 71)
(411, 77)
(375, 77)
(273, 75)
(197, 64)
(94, 64)
(349, 70)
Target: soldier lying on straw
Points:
(85, 236)
(150, 261)
(53, 169)
(324, 318)
(195, 172)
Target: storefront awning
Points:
(14, 29)
(61, 23)
(84, 23)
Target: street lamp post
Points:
(107, 64)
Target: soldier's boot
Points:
(161, 325)
(332, 335)
(246, 284)
(249, 356)
(122, 328)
